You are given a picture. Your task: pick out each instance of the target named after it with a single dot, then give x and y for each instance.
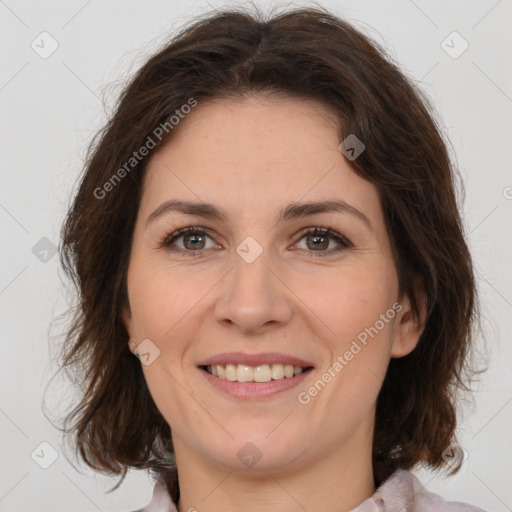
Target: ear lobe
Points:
(126, 317)
(408, 328)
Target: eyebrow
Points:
(290, 212)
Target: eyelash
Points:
(344, 244)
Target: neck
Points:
(338, 480)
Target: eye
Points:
(319, 238)
(194, 239)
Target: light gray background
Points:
(52, 107)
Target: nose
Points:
(253, 297)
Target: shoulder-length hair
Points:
(307, 53)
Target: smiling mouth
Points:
(261, 373)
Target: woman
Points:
(268, 222)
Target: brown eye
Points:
(193, 241)
(196, 241)
(319, 239)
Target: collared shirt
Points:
(401, 492)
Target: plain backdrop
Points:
(51, 106)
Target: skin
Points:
(251, 157)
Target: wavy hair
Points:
(307, 53)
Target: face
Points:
(261, 284)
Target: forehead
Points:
(256, 127)
(254, 154)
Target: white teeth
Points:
(231, 372)
(244, 373)
(277, 371)
(262, 373)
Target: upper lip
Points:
(254, 359)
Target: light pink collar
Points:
(401, 492)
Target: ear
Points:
(408, 328)
(127, 319)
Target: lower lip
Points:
(254, 390)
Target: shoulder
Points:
(160, 501)
(404, 488)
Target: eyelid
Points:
(323, 231)
(178, 233)
(175, 234)
(343, 242)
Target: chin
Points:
(263, 449)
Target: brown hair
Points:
(308, 53)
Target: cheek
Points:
(164, 302)
(351, 301)
(161, 298)
(360, 318)
(355, 320)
